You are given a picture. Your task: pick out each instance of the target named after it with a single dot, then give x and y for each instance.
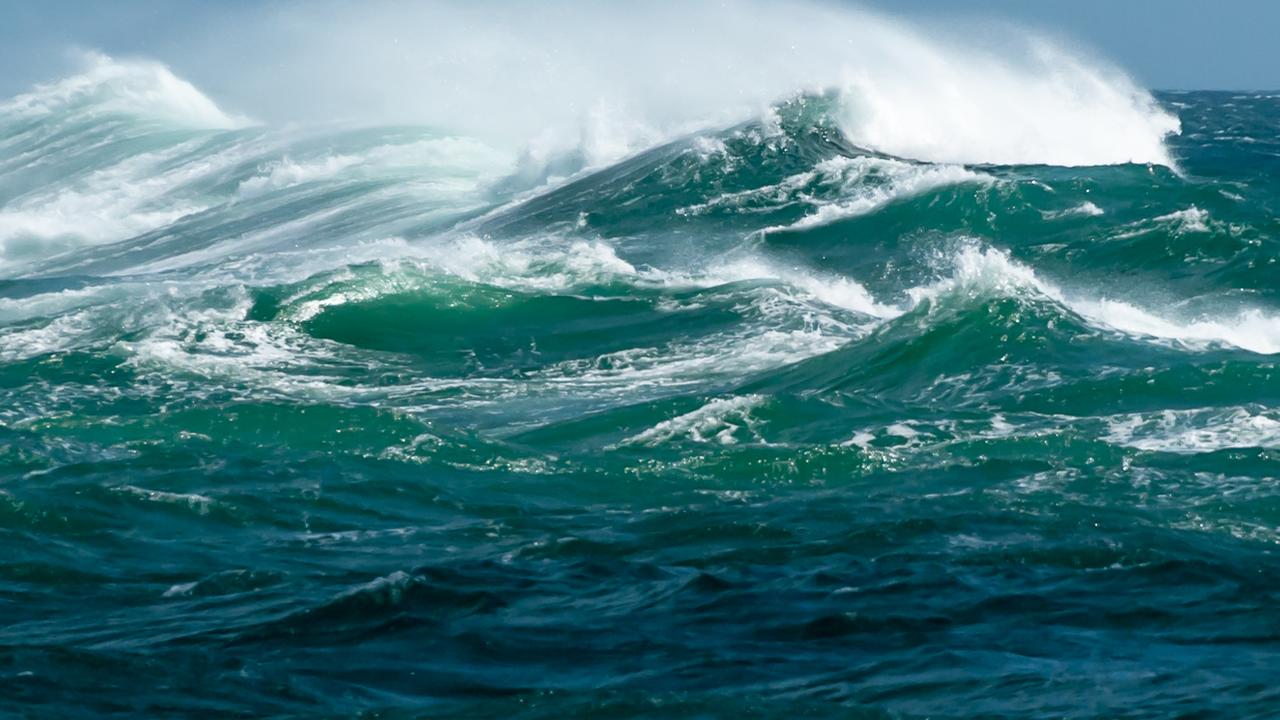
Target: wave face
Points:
(882, 400)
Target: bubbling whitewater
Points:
(944, 388)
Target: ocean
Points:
(790, 414)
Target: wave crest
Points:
(125, 87)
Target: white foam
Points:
(287, 173)
(988, 270)
(133, 196)
(388, 589)
(63, 333)
(794, 317)
(835, 290)
(902, 430)
(550, 265)
(195, 330)
(199, 503)
(948, 104)
(977, 270)
(893, 440)
(553, 264)
(648, 371)
(860, 439)
(717, 421)
(843, 187)
(1187, 220)
(128, 87)
(1193, 219)
(1084, 209)
(707, 147)
(179, 590)
(900, 180)
(1250, 329)
(776, 195)
(441, 157)
(544, 264)
(1196, 431)
(16, 310)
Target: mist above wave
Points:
(608, 80)
(107, 86)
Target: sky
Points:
(1163, 44)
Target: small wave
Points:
(1251, 329)
(286, 173)
(1193, 219)
(431, 158)
(858, 186)
(1179, 222)
(722, 420)
(980, 271)
(227, 582)
(553, 264)
(835, 290)
(65, 332)
(1085, 209)
(904, 184)
(200, 504)
(686, 365)
(1196, 431)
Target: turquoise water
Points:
(754, 421)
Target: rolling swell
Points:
(762, 418)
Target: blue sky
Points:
(1174, 44)
(1165, 44)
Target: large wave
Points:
(125, 170)
(612, 80)
(108, 87)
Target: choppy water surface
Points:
(757, 420)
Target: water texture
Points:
(786, 415)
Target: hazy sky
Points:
(1174, 44)
(1165, 44)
